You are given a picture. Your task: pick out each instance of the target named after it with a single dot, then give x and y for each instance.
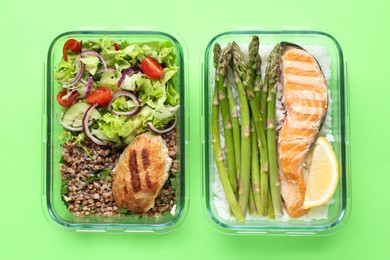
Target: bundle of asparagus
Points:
(249, 176)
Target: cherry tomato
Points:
(67, 102)
(101, 96)
(117, 47)
(152, 68)
(73, 45)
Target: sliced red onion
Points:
(89, 86)
(128, 72)
(127, 113)
(77, 77)
(71, 94)
(86, 127)
(158, 131)
(71, 128)
(94, 53)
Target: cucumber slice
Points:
(74, 115)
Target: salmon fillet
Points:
(305, 99)
(141, 172)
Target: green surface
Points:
(26, 28)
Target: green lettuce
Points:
(114, 126)
(117, 58)
(172, 95)
(157, 96)
(122, 104)
(110, 79)
(66, 70)
(91, 63)
(153, 92)
(98, 133)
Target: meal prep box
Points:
(337, 213)
(54, 208)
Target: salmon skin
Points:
(305, 99)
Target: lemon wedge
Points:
(323, 176)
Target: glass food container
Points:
(54, 208)
(337, 213)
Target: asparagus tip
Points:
(217, 53)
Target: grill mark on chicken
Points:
(146, 164)
(125, 188)
(135, 181)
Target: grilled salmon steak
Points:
(141, 172)
(305, 98)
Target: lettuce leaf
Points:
(110, 79)
(66, 70)
(172, 95)
(91, 63)
(122, 104)
(131, 83)
(117, 58)
(114, 126)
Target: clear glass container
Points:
(54, 209)
(338, 211)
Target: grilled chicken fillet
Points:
(141, 172)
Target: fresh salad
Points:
(111, 91)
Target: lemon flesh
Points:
(323, 176)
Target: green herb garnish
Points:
(64, 187)
(99, 175)
(62, 160)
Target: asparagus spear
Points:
(234, 206)
(260, 132)
(236, 128)
(271, 213)
(252, 204)
(255, 172)
(240, 76)
(273, 72)
(222, 65)
(263, 104)
(255, 67)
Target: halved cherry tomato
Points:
(117, 47)
(101, 96)
(67, 102)
(152, 68)
(73, 45)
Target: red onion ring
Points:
(71, 128)
(89, 86)
(71, 94)
(127, 113)
(77, 77)
(86, 127)
(158, 131)
(128, 72)
(94, 53)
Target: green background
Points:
(27, 27)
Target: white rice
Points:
(220, 201)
